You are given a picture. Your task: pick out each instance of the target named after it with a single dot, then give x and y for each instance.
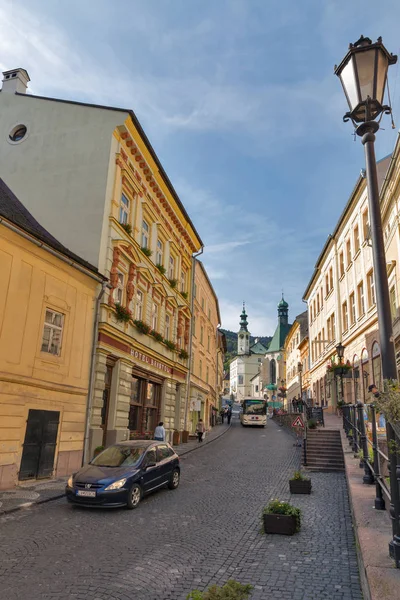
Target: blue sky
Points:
(240, 102)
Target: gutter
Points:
(89, 404)
(189, 373)
(99, 278)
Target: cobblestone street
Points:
(207, 531)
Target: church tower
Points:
(283, 312)
(243, 335)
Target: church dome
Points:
(283, 303)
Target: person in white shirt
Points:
(159, 433)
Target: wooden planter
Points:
(283, 524)
(185, 437)
(176, 438)
(300, 486)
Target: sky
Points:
(239, 100)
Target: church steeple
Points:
(243, 335)
(283, 311)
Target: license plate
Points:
(86, 493)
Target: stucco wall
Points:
(59, 171)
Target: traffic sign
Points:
(298, 422)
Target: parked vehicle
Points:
(254, 412)
(123, 473)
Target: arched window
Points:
(272, 371)
(376, 365)
(356, 378)
(365, 374)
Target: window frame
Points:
(139, 305)
(124, 209)
(52, 327)
(145, 235)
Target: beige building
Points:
(207, 353)
(293, 356)
(341, 303)
(91, 176)
(47, 319)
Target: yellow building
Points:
(101, 189)
(207, 352)
(47, 307)
(293, 356)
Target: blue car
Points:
(123, 473)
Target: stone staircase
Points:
(324, 450)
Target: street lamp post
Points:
(363, 74)
(340, 353)
(300, 371)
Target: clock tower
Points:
(243, 335)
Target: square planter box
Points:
(283, 524)
(300, 486)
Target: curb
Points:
(206, 444)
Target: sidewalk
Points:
(30, 493)
(379, 577)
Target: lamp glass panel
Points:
(348, 79)
(366, 70)
(381, 76)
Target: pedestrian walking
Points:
(222, 415)
(200, 430)
(159, 432)
(229, 415)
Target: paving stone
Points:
(207, 531)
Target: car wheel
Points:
(174, 481)
(134, 496)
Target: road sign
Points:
(298, 422)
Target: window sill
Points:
(349, 266)
(342, 277)
(357, 254)
(360, 318)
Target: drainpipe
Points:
(89, 406)
(194, 256)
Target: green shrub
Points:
(142, 326)
(232, 590)
(127, 227)
(183, 354)
(185, 295)
(173, 282)
(146, 251)
(157, 335)
(298, 476)
(170, 345)
(122, 313)
(275, 507)
(162, 269)
(312, 424)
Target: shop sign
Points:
(195, 405)
(151, 362)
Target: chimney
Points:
(15, 81)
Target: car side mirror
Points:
(150, 464)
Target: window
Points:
(319, 344)
(348, 251)
(330, 279)
(139, 305)
(371, 289)
(124, 210)
(341, 264)
(392, 297)
(329, 329)
(194, 326)
(167, 329)
(150, 458)
(201, 334)
(322, 298)
(356, 239)
(352, 309)
(311, 313)
(195, 291)
(318, 306)
(200, 368)
(208, 342)
(154, 316)
(52, 332)
(145, 234)
(326, 284)
(119, 290)
(171, 268)
(323, 338)
(18, 133)
(209, 314)
(183, 281)
(160, 253)
(202, 303)
(315, 309)
(345, 316)
(333, 327)
(360, 298)
(207, 374)
(365, 225)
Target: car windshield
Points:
(254, 408)
(119, 456)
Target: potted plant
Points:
(122, 314)
(176, 438)
(146, 251)
(142, 326)
(185, 436)
(170, 345)
(162, 269)
(184, 295)
(173, 282)
(232, 590)
(156, 335)
(299, 484)
(127, 227)
(312, 424)
(281, 517)
(183, 354)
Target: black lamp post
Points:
(340, 353)
(363, 74)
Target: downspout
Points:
(89, 406)
(189, 373)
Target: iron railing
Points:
(359, 424)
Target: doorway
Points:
(39, 445)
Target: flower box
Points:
(300, 486)
(281, 524)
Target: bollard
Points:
(368, 477)
(355, 431)
(379, 499)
